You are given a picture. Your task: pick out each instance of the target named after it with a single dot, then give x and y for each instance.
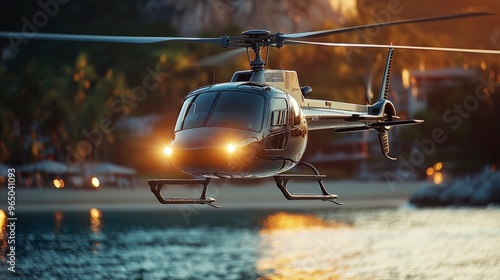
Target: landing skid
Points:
(157, 184)
(283, 179)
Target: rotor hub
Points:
(255, 33)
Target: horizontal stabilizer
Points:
(395, 123)
(351, 128)
(376, 125)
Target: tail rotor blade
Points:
(383, 137)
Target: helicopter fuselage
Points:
(238, 130)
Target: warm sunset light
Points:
(289, 221)
(95, 182)
(296, 244)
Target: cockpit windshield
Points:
(234, 109)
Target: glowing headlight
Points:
(167, 150)
(231, 148)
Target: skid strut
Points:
(157, 184)
(283, 179)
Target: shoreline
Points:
(353, 194)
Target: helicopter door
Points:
(278, 125)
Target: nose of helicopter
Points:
(213, 152)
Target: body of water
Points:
(333, 243)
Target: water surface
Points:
(252, 244)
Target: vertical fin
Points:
(384, 88)
(383, 134)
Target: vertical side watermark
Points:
(11, 220)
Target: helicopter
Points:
(256, 125)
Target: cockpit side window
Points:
(278, 113)
(187, 103)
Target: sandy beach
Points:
(265, 195)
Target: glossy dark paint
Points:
(202, 151)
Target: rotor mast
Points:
(257, 63)
(256, 39)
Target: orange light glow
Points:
(95, 213)
(429, 171)
(231, 148)
(163, 58)
(95, 220)
(3, 222)
(3, 235)
(95, 182)
(438, 166)
(58, 183)
(438, 178)
(167, 150)
(405, 76)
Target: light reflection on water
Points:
(296, 246)
(3, 236)
(95, 220)
(319, 244)
(58, 222)
(423, 244)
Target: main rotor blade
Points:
(104, 38)
(322, 33)
(355, 45)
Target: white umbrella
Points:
(4, 170)
(46, 166)
(111, 168)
